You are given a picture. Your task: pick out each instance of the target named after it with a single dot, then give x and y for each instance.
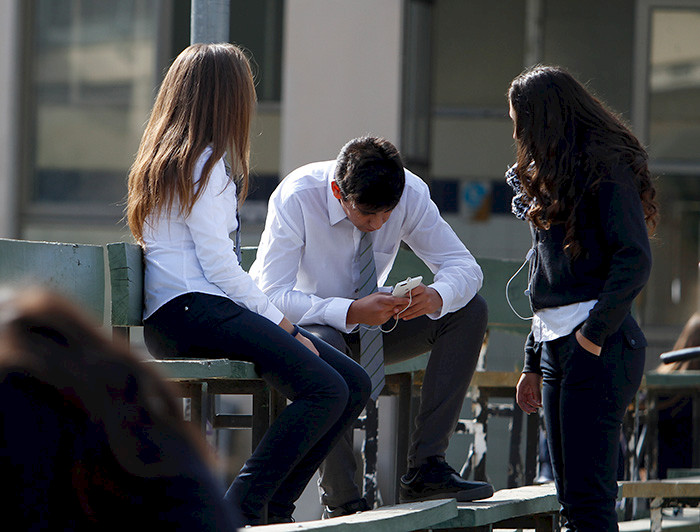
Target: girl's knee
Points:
(335, 392)
(353, 388)
(364, 386)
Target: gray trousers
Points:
(454, 342)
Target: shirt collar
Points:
(335, 210)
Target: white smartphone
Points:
(404, 287)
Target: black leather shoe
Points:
(349, 508)
(437, 480)
(279, 519)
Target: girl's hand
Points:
(587, 344)
(528, 392)
(307, 343)
(303, 340)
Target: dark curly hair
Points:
(567, 141)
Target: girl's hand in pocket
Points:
(587, 344)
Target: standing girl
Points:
(199, 302)
(582, 182)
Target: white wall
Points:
(341, 77)
(9, 104)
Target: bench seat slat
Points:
(397, 518)
(505, 505)
(688, 379)
(196, 368)
(667, 488)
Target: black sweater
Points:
(613, 267)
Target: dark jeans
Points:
(327, 392)
(585, 398)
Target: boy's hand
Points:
(375, 309)
(425, 300)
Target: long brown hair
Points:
(206, 99)
(566, 141)
(45, 337)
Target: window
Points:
(667, 118)
(674, 85)
(92, 69)
(91, 72)
(257, 26)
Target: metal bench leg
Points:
(200, 405)
(515, 466)
(656, 516)
(403, 430)
(546, 522)
(198, 394)
(481, 437)
(261, 414)
(532, 443)
(652, 457)
(369, 452)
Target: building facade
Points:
(78, 78)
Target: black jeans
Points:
(328, 392)
(585, 398)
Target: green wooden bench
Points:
(526, 507)
(398, 518)
(682, 491)
(76, 271)
(200, 380)
(685, 383)
(537, 507)
(688, 521)
(403, 379)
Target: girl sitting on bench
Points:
(199, 302)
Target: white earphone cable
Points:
(527, 258)
(396, 317)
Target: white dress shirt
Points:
(551, 323)
(304, 260)
(196, 253)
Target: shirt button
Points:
(633, 342)
(187, 308)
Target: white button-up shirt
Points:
(304, 261)
(196, 254)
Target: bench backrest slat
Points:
(126, 282)
(76, 271)
(497, 272)
(126, 277)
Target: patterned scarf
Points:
(521, 203)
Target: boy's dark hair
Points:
(370, 173)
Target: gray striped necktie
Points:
(237, 241)
(371, 343)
